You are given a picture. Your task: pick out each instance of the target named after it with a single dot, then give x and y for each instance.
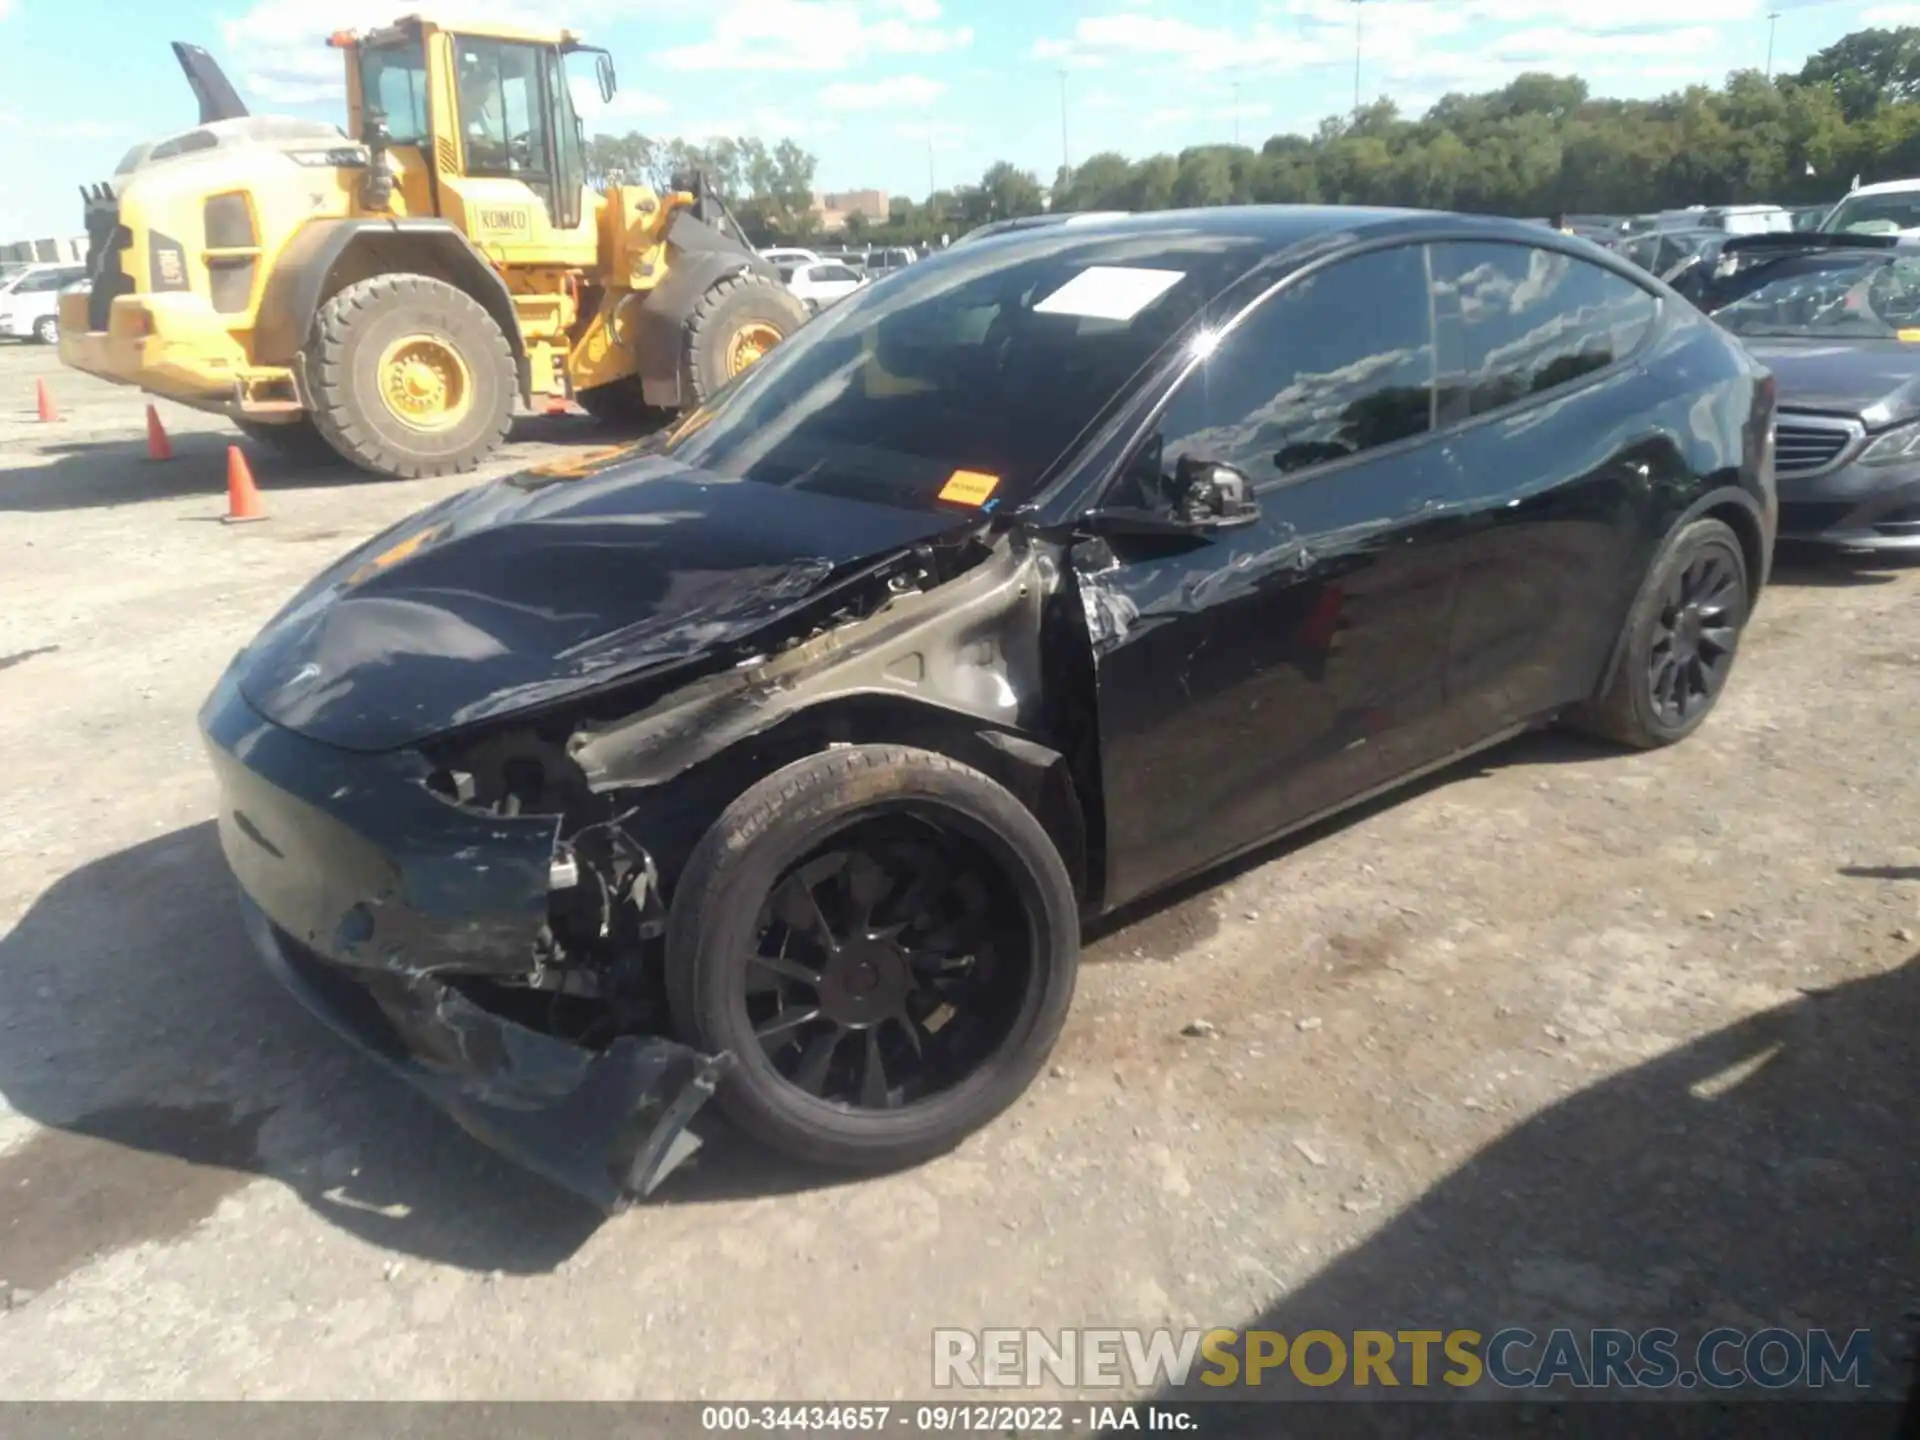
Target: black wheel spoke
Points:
(875, 1093)
(786, 1020)
(792, 969)
(815, 1060)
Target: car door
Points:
(1250, 678)
(1558, 435)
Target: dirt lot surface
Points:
(1563, 1037)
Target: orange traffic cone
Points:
(158, 446)
(243, 499)
(43, 397)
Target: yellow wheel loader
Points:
(392, 290)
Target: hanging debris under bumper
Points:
(383, 908)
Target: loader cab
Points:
(499, 151)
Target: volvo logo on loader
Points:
(410, 314)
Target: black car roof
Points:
(1284, 225)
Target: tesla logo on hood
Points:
(306, 672)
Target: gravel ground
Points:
(1563, 1036)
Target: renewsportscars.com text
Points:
(1514, 1358)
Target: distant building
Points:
(71, 248)
(834, 207)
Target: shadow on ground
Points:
(1823, 567)
(168, 1069)
(1763, 1175)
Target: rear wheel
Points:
(1679, 644)
(886, 941)
(410, 377)
(733, 325)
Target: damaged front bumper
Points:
(368, 895)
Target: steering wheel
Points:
(520, 150)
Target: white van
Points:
(30, 301)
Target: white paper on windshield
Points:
(1109, 292)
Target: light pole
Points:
(931, 186)
(1773, 18)
(1356, 59)
(1236, 113)
(1066, 156)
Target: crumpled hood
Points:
(1846, 377)
(536, 587)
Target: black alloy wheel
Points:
(1694, 636)
(885, 940)
(888, 965)
(1679, 643)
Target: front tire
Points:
(410, 377)
(1680, 641)
(46, 330)
(886, 941)
(736, 322)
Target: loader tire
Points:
(620, 403)
(738, 320)
(410, 377)
(301, 440)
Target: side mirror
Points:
(1208, 496)
(1213, 496)
(603, 72)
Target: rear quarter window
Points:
(1533, 320)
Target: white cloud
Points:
(816, 35)
(1551, 49)
(28, 128)
(1884, 17)
(278, 48)
(762, 123)
(6, 8)
(626, 105)
(914, 92)
(1193, 47)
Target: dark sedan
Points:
(1837, 320)
(785, 755)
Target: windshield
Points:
(1875, 214)
(989, 361)
(1875, 297)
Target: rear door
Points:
(1253, 677)
(1558, 443)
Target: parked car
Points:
(1838, 324)
(1685, 259)
(820, 285)
(786, 754)
(884, 260)
(1810, 217)
(790, 255)
(30, 301)
(1888, 208)
(1733, 219)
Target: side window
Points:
(1338, 362)
(1535, 319)
(502, 115)
(393, 80)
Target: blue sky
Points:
(873, 86)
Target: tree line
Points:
(1538, 146)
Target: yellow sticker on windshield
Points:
(1911, 335)
(969, 487)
